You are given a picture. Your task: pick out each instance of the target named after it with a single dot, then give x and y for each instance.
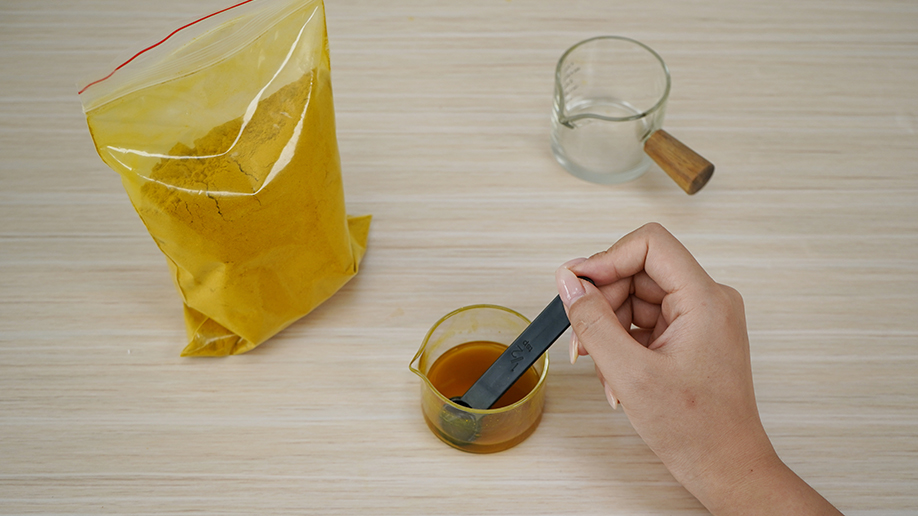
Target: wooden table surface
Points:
(808, 108)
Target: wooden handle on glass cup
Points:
(688, 169)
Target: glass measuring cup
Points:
(473, 430)
(609, 104)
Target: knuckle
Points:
(656, 230)
(654, 227)
(600, 254)
(732, 296)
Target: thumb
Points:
(600, 332)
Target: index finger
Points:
(650, 248)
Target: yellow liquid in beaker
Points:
(457, 369)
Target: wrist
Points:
(739, 486)
(762, 485)
(717, 463)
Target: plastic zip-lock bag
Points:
(223, 133)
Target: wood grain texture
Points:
(808, 109)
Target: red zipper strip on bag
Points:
(173, 33)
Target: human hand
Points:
(671, 345)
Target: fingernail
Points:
(569, 285)
(575, 349)
(610, 397)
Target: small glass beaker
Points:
(610, 100)
(610, 95)
(472, 430)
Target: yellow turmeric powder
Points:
(250, 215)
(245, 251)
